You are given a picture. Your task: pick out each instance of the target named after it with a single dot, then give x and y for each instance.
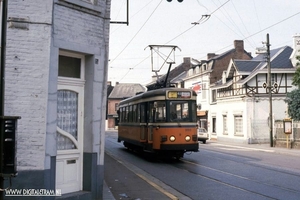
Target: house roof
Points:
(125, 90)
(246, 65)
(279, 59)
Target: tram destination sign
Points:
(179, 94)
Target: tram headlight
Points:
(187, 138)
(172, 138)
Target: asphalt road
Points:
(218, 171)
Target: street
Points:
(217, 171)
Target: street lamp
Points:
(268, 85)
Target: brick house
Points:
(120, 92)
(55, 78)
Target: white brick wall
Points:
(28, 58)
(26, 78)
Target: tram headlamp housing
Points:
(187, 138)
(172, 138)
(163, 138)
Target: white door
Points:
(70, 104)
(69, 138)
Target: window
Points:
(182, 111)
(116, 106)
(204, 91)
(130, 115)
(160, 111)
(225, 129)
(238, 125)
(214, 125)
(69, 67)
(143, 113)
(134, 114)
(214, 96)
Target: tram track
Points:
(260, 186)
(235, 176)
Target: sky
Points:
(196, 27)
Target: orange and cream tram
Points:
(161, 121)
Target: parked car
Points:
(202, 135)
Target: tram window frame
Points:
(160, 111)
(121, 114)
(130, 113)
(176, 112)
(150, 112)
(126, 114)
(143, 113)
(134, 114)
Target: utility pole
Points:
(2, 70)
(270, 91)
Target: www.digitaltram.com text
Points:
(32, 192)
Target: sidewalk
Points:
(263, 147)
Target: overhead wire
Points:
(203, 19)
(263, 29)
(137, 32)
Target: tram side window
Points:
(130, 114)
(134, 114)
(143, 113)
(126, 114)
(138, 113)
(160, 111)
(150, 112)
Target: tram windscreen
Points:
(182, 111)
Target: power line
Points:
(203, 19)
(137, 32)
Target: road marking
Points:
(245, 148)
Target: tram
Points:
(160, 121)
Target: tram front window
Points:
(179, 111)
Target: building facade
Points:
(55, 80)
(240, 108)
(202, 76)
(120, 91)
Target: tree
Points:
(293, 101)
(293, 97)
(296, 78)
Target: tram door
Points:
(144, 126)
(150, 108)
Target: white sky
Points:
(158, 22)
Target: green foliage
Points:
(296, 78)
(293, 101)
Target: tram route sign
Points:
(180, 94)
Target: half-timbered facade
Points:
(240, 101)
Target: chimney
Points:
(239, 45)
(296, 51)
(187, 63)
(210, 55)
(224, 77)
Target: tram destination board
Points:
(179, 94)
